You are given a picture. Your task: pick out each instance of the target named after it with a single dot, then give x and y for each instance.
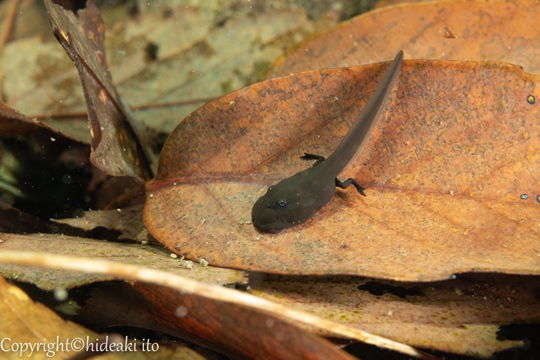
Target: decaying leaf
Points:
(452, 172)
(206, 63)
(40, 81)
(163, 77)
(129, 253)
(116, 137)
(461, 316)
(487, 30)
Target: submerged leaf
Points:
(13, 123)
(163, 77)
(21, 19)
(452, 172)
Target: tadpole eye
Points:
(282, 203)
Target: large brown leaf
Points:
(452, 172)
(495, 30)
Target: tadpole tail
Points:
(355, 140)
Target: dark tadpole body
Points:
(294, 200)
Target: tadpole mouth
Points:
(269, 228)
(267, 224)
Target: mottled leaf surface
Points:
(452, 172)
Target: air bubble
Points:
(181, 311)
(60, 294)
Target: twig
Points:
(9, 25)
(215, 292)
(142, 107)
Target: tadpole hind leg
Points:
(308, 156)
(345, 184)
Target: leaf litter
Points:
(452, 193)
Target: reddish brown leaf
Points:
(499, 30)
(116, 147)
(228, 328)
(452, 172)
